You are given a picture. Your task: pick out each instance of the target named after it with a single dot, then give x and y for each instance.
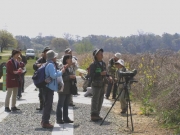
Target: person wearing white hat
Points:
(112, 71)
(121, 67)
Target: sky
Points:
(85, 17)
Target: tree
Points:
(7, 40)
(83, 46)
(59, 44)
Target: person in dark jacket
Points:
(64, 96)
(98, 74)
(38, 63)
(12, 81)
(24, 60)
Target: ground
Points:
(143, 125)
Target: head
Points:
(117, 56)
(98, 54)
(45, 50)
(15, 54)
(68, 51)
(67, 59)
(119, 63)
(51, 55)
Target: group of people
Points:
(98, 76)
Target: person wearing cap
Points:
(36, 65)
(98, 74)
(112, 71)
(24, 60)
(74, 67)
(120, 67)
(12, 81)
(48, 90)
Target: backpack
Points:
(39, 77)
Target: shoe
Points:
(7, 109)
(39, 109)
(60, 122)
(14, 109)
(71, 105)
(123, 111)
(46, 125)
(68, 121)
(95, 118)
(100, 118)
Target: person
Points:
(74, 67)
(120, 67)
(48, 90)
(112, 71)
(37, 64)
(24, 60)
(12, 80)
(98, 74)
(22, 66)
(64, 96)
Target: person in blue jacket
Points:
(48, 93)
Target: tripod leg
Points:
(129, 103)
(111, 107)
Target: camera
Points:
(128, 75)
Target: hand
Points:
(103, 73)
(38, 65)
(65, 66)
(63, 70)
(110, 79)
(72, 76)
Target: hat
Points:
(120, 61)
(97, 50)
(117, 55)
(68, 50)
(51, 54)
(46, 49)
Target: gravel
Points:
(28, 121)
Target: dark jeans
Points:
(20, 89)
(63, 103)
(48, 100)
(110, 85)
(41, 98)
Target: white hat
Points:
(117, 55)
(51, 54)
(120, 61)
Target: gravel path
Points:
(28, 121)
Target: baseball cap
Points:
(68, 50)
(46, 49)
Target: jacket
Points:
(67, 80)
(51, 71)
(95, 70)
(39, 61)
(111, 67)
(12, 80)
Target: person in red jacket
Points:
(12, 80)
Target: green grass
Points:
(29, 67)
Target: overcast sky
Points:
(86, 17)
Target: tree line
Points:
(133, 44)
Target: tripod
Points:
(126, 88)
